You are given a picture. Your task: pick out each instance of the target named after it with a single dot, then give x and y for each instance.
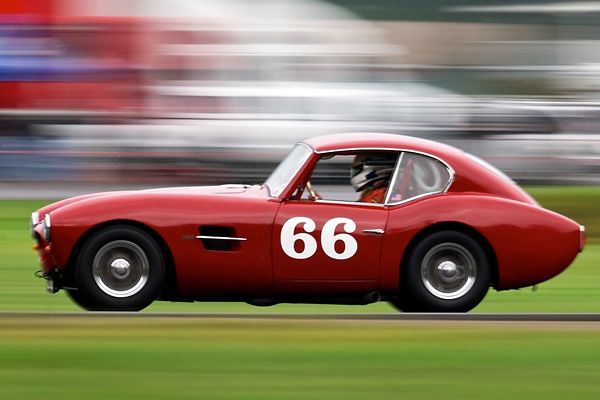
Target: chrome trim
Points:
(46, 228)
(448, 271)
(121, 269)
(451, 174)
(33, 222)
(35, 218)
(388, 193)
(397, 150)
(414, 198)
(294, 175)
(346, 202)
(375, 231)
(221, 238)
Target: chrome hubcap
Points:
(448, 271)
(120, 268)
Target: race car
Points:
(344, 219)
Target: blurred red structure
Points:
(53, 63)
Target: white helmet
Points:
(367, 170)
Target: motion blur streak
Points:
(165, 92)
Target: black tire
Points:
(119, 268)
(81, 300)
(404, 303)
(447, 271)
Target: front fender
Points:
(74, 220)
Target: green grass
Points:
(96, 356)
(579, 203)
(87, 356)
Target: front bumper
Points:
(54, 280)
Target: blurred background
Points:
(104, 94)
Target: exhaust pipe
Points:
(370, 298)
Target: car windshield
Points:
(288, 168)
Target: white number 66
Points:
(328, 238)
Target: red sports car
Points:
(345, 219)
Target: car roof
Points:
(384, 141)
(469, 175)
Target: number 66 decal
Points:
(328, 238)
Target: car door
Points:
(328, 241)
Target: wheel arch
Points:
(456, 227)
(170, 283)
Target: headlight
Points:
(35, 219)
(46, 228)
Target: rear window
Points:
(418, 175)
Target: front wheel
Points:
(447, 271)
(120, 268)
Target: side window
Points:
(418, 175)
(356, 177)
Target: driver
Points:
(370, 175)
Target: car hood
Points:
(222, 190)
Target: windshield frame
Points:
(288, 169)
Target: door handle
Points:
(375, 231)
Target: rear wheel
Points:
(447, 271)
(120, 268)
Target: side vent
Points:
(219, 238)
